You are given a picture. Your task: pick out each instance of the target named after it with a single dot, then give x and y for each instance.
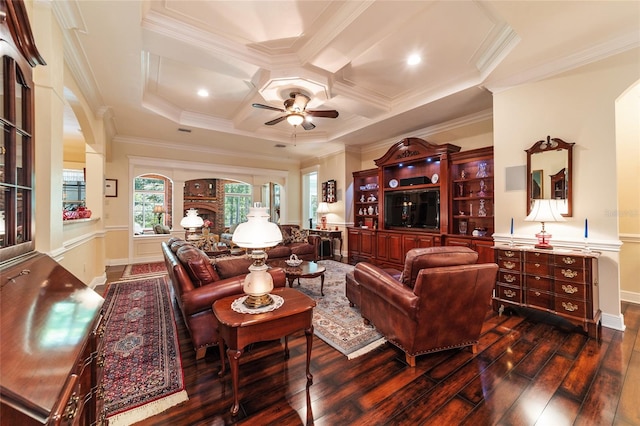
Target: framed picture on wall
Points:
(331, 191)
(324, 192)
(537, 185)
(111, 187)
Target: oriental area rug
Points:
(143, 368)
(144, 270)
(334, 321)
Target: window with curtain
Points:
(237, 200)
(151, 202)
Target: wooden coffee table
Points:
(238, 330)
(305, 270)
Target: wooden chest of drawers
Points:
(560, 282)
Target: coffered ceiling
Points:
(144, 61)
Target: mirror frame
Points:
(552, 144)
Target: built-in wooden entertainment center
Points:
(422, 195)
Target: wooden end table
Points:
(305, 270)
(238, 330)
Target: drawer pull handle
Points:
(537, 265)
(509, 253)
(536, 254)
(568, 273)
(569, 260)
(568, 306)
(72, 407)
(509, 265)
(537, 278)
(537, 293)
(569, 289)
(509, 293)
(509, 278)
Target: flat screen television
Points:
(417, 208)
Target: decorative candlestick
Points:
(586, 248)
(511, 237)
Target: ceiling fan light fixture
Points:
(295, 119)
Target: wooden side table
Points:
(237, 330)
(329, 235)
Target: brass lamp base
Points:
(253, 302)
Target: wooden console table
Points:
(560, 282)
(238, 330)
(330, 235)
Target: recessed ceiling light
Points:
(203, 93)
(414, 59)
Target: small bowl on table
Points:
(293, 262)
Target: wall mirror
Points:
(549, 171)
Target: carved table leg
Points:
(322, 284)
(309, 333)
(234, 360)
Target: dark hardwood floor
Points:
(526, 372)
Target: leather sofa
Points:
(438, 302)
(197, 282)
(294, 241)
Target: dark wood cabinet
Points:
(52, 352)
(423, 195)
(560, 282)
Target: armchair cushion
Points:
(432, 257)
(197, 265)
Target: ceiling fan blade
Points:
(324, 114)
(276, 121)
(267, 107)
(307, 125)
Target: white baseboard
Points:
(630, 296)
(100, 280)
(613, 321)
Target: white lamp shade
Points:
(257, 232)
(323, 208)
(545, 211)
(191, 220)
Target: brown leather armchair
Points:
(439, 302)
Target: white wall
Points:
(577, 106)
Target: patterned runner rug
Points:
(144, 270)
(334, 321)
(143, 368)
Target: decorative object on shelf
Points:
(370, 210)
(360, 211)
(372, 198)
(461, 190)
(462, 227)
(482, 170)
(323, 209)
(435, 178)
(479, 232)
(483, 188)
(544, 211)
(393, 183)
(362, 198)
(257, 233)
(293, 260)
(463, 174)
(376, 212)
(191, 221)
(158, 210)
(482, 211)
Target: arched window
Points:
(152, 201)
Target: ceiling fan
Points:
(296, 112)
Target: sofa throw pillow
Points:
(197, 264)
(299, 235)
(286, 237)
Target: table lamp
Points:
(544, 211)
(323, 208)
(191, 221)
(158, 210)
(257, 233)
